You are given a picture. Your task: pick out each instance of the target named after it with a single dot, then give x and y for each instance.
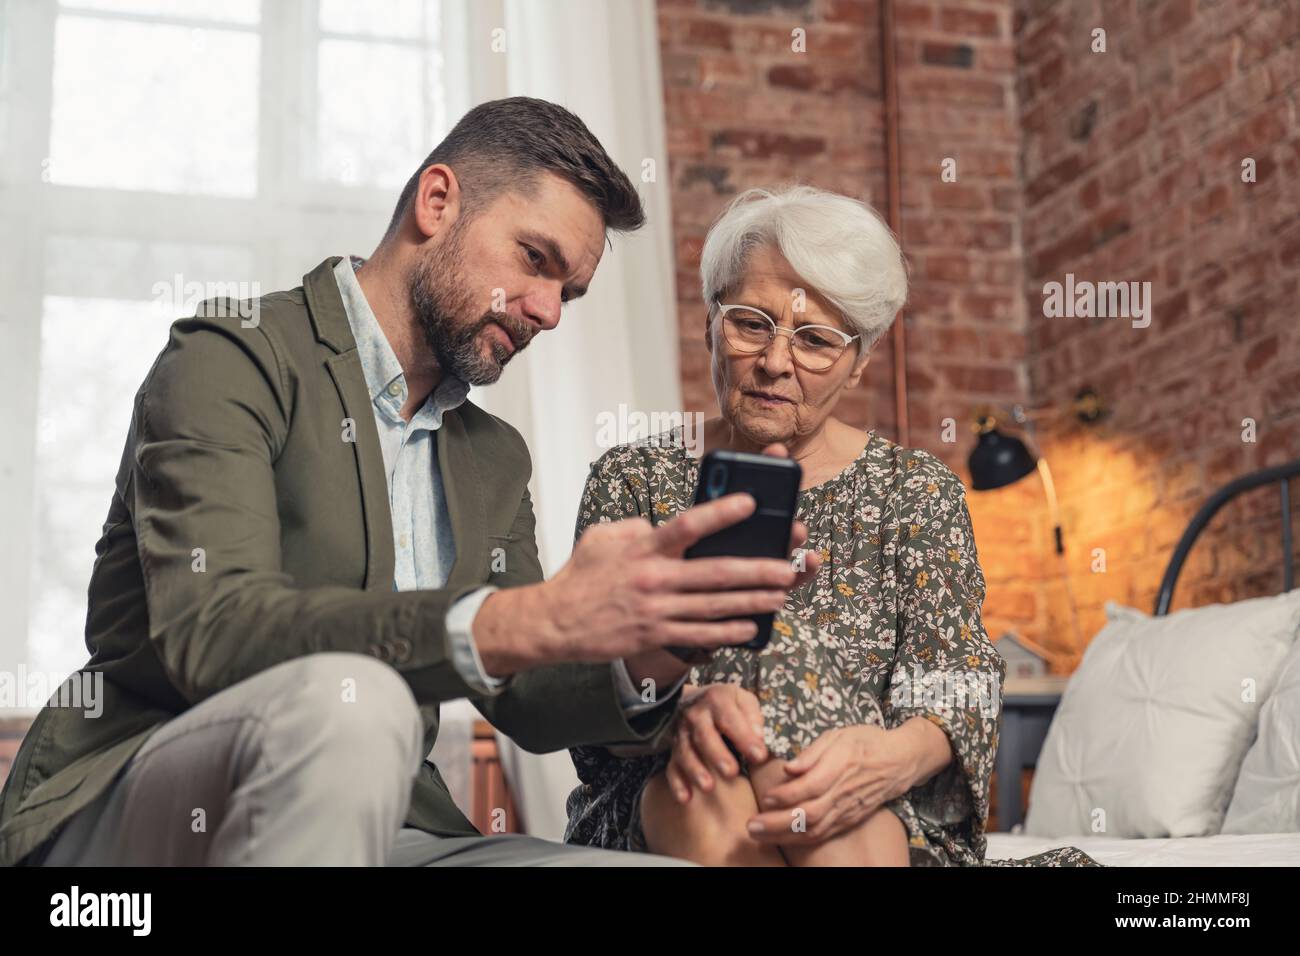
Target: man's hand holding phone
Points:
(665, 667)
(628, 592)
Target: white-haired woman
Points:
(864, 733)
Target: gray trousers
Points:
(309, 763)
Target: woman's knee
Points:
(659, 810)
(709, 828)
(885, 838)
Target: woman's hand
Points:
(840, 780)
(705, 717)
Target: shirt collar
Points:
(384, 376)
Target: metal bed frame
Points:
(1282, 474)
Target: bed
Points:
(1271, 780)
(1222, 849)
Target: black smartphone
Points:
(774, 483)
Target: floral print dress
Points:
(889, 629)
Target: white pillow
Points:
(1267, 797)
(1155, 723)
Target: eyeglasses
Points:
(749, 330)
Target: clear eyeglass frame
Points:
(721, 309)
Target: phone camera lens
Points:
(717, 480)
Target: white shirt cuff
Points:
(460, 639)
(630, 697)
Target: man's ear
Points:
(437, 200)
(708, 333)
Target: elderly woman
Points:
(864, 733)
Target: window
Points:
(360, 60)
(158, 145)
(164, 99)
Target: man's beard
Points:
(442, 304)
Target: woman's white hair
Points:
(839, 245)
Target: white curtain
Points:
(153, 152)
(615, 347)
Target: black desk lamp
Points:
(998, 460)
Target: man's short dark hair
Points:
(505, 144)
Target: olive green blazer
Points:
(258, 445)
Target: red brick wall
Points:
(1117, 166)
(1133, 171)
(743, 109)
(966, 327)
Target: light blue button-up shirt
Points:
(423, 546)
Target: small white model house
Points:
(1024, 658)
